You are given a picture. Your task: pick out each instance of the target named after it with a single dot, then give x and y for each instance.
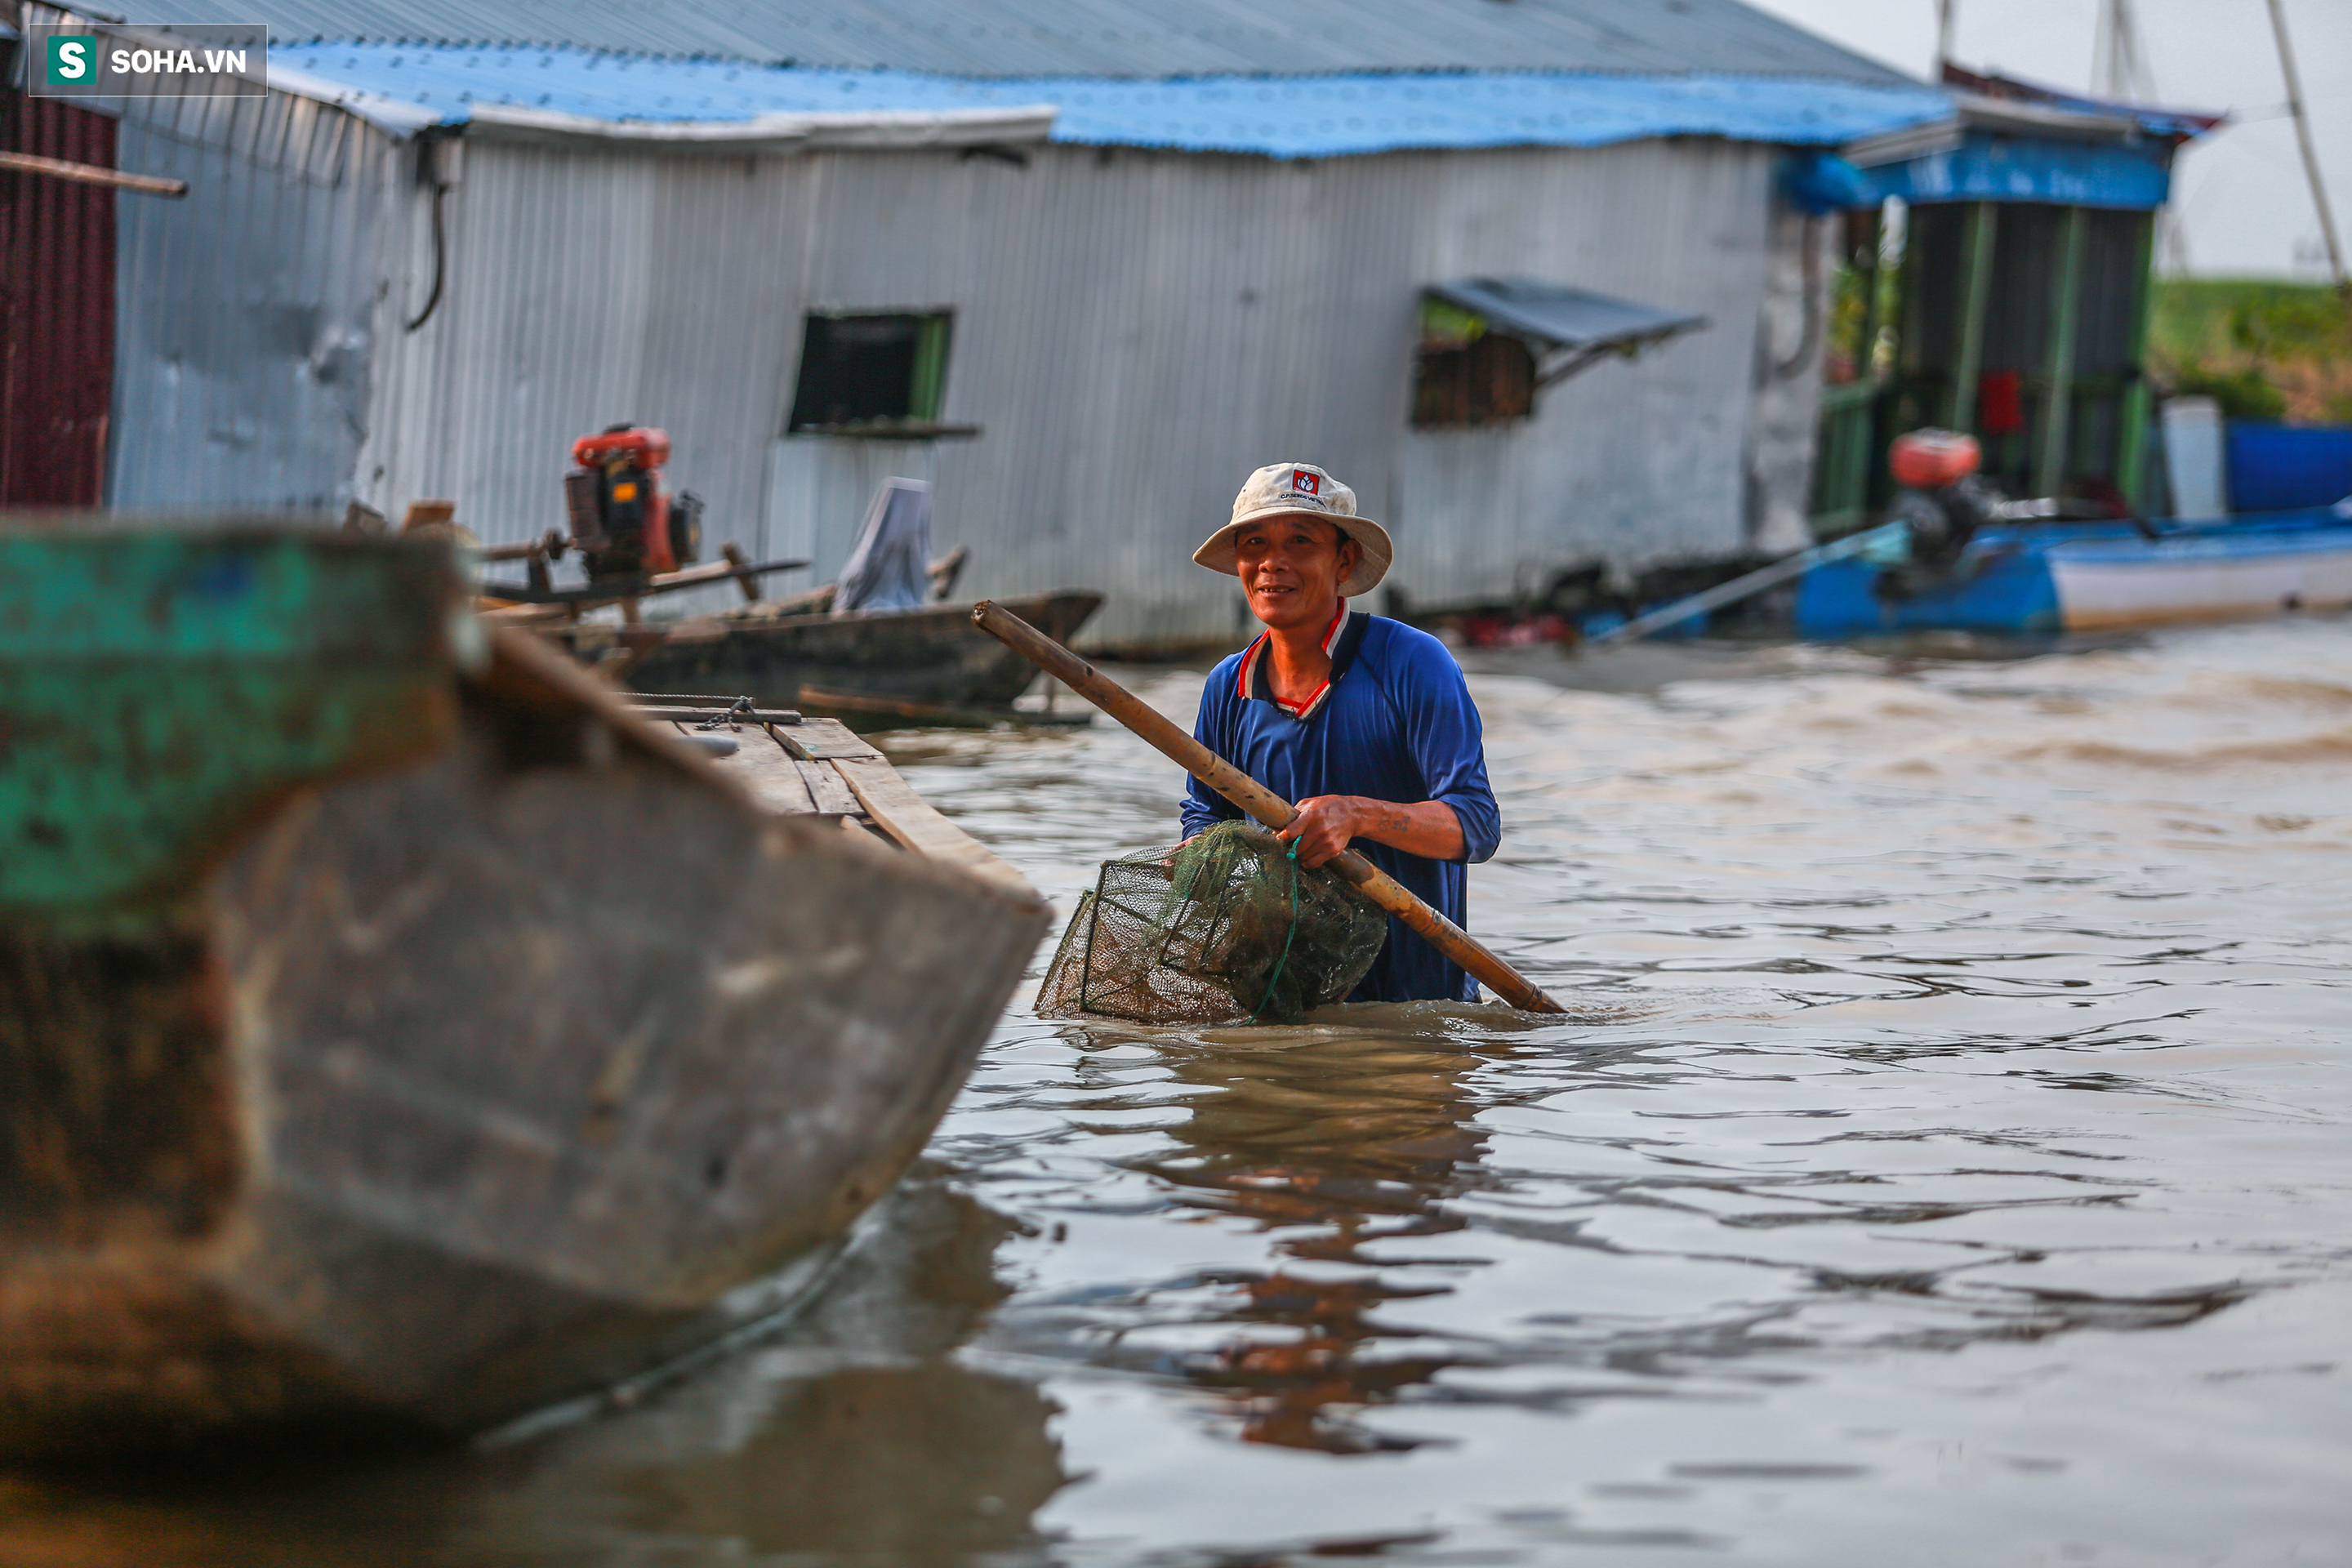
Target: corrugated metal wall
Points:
(247, 311)
(56, 307)
(1134, 332)
(1791, 350)
(1627, 463)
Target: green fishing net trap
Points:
(1223, 928)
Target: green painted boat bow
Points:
(163, 687)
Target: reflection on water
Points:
(1945, 1161)
(838, 1461)
(1332, 1145)
(853, 1436)
(856, 1434)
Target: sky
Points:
(2241, 206)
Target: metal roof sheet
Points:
(1283, 117)
(1569, 318)
(1987, 99)
(1107, 37)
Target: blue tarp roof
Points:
(1984, 168)
(1282, 117)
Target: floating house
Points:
(2019, 310)
(1527, 275)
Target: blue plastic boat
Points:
(2045, 578)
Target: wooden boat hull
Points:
(2102, 576)
(930, 658)
(433, 1090)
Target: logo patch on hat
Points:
(1306, 484)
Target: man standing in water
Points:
(1365, 723)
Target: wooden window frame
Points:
(816, 408)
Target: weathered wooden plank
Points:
(827, 788)
(769, 773)
(914, 822)
(817, 699)
(822, 739)
(634, 585)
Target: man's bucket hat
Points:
(1302, 489)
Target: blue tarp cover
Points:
(1988, 167)
(1282, 117)
(2283, 467)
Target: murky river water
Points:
(1946, 1162)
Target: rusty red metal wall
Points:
(57, 309)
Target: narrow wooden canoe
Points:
(887, 661)
(396, 1031)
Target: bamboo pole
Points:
(2131, 431)
(1260, 801)
(2310, 153)
(1745, 587)
(2053, 442)
(91, 174)
(1977, 237)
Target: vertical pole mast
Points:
(2118, 71)
(2057, 433)
(2102, 53)
(1872, 307)
(2310, 153)
(2131, 437)
(1977, 232)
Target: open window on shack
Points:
(878, 374)
(1489, 345)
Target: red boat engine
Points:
(625, 521)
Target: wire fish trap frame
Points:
(1223, 928)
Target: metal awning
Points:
(1575, 325)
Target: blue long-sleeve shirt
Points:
(1394, 722)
